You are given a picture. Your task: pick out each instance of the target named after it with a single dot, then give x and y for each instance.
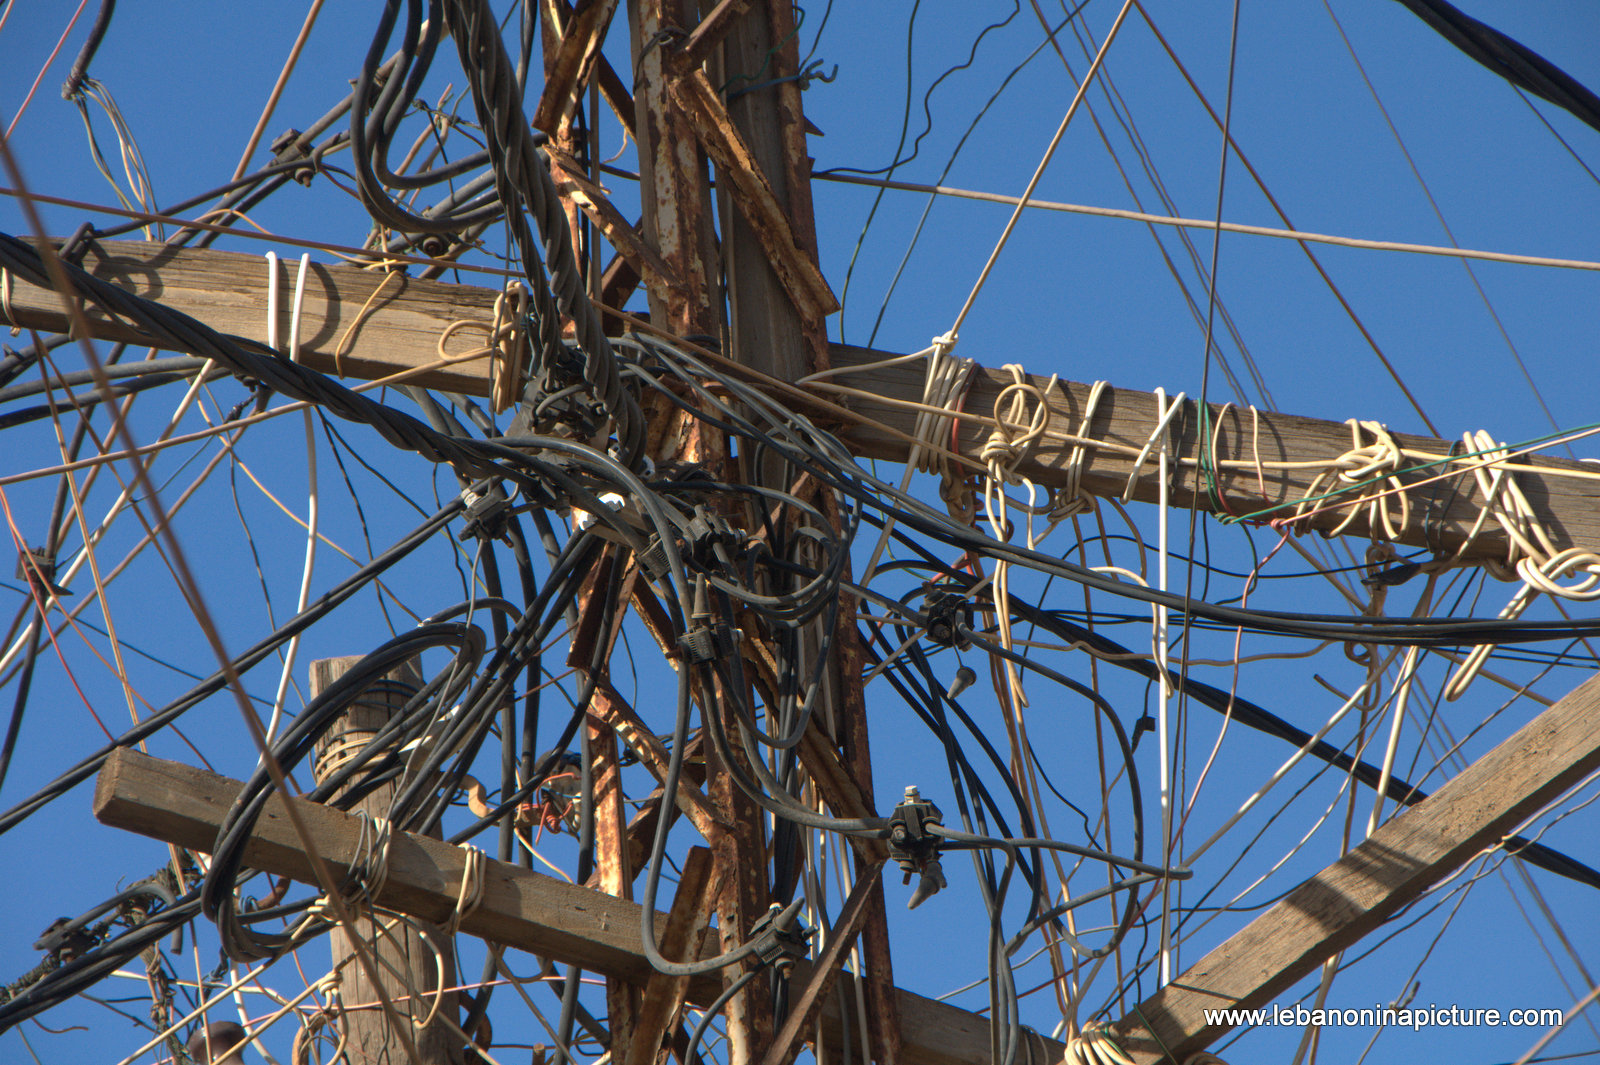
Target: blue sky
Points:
(1087, 298)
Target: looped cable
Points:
(468, 898)
(1017, 428)
(369, 869)
(944, 386)
(1164, 416)
(1536, 579)
(1372, 470)
(1531, 554)
(1070, 499)
(506, 342)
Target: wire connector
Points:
(706, 532)
(778, 939)
(708, 637)
(915, 847)
(488, 512)
(290, 147)
(653, 560)
(948, 612)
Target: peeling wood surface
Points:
(572, 64)
(672, 181)
(622, 235)
(710, 32)
(805, 1007)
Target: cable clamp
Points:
(915, 847)
(707, 642)
(948, 613)
(290, 147)
(707, 637)
(488, 512)
(778, 938)
(653, 560)
(706, 532)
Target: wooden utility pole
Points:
(776, 303)
(721, 91)
(406, 970)
(1477, 809)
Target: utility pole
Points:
(759, 136)
(407, 975)
(737, 271)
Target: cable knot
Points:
(1018, 426)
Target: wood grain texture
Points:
(803, 1010)
(405, 960)
(1442, 512)
(574, 63)
(1476, 809)
(740, 169)
(183, 805)
(228, 291)
(682, 937)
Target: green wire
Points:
(1524, 446)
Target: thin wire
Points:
(1033, 182)
(313, 507)
(277, 89)
(1297, 235)
(1185, 638)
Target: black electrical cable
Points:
(522, 178)
(241, 664)
(1259, 718)
(86, 403)
(292, 747)
(1514, 62)
(80, 66)
(1254, 716)
(716, 1007)
(918, 516)
(20, 702)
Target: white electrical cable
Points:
(312, 507)
(1159, 437)
(1283, 771)
(943, 385)
(1408, 670)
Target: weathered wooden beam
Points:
(616, 93)
(1564, 495)
(622, 235)
(740, 170)
(682, 938)
(710, 32)
(183, 805)
(399, 330)
(405, 961)
(572, 64)
(1477, 809)
(673, 179)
